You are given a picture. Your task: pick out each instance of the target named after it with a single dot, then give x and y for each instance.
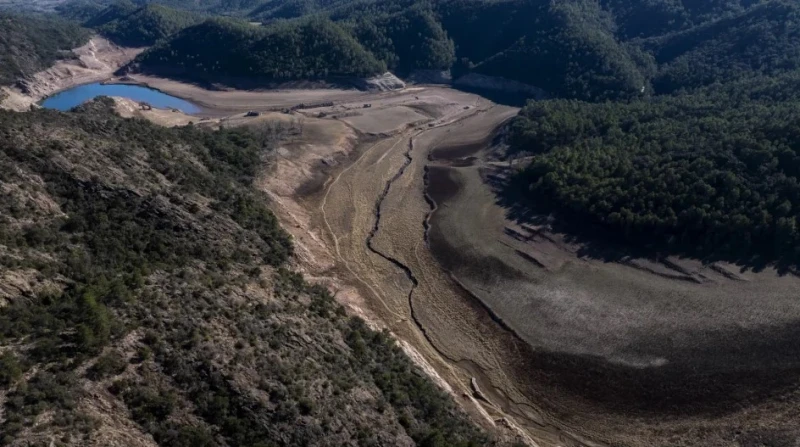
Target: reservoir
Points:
(78, 95)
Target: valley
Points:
(394, 208)
(298, 247)
(521, 322)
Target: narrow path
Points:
(406, 269)
(339, 256)
(450, 363)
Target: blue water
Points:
(78, 95)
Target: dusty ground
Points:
(95, 61)
(129, 108)
(387, 120)
(391, 206)
(224, 102)
(533, 331)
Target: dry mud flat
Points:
(638, 351)
(224, 102)
(533, 332)
(388, 198)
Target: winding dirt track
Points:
(541, 338)
(529, 335)
(374, 212)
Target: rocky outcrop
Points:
(384, 82)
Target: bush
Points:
(109, 364)
(10, 368)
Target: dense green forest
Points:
(407, 40)
(313, 49)
(157, 282)
(765, 39)
(571, 52)
(705, 163)
(128, 25)
(713, 173)
(591, 50)
(29, 44)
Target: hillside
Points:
(711, 174)
(97, 14)
(143, 26)
(29, 44)
(571, 52)
(763, 40)
(146, 301)
(408, 40)
(217, 48)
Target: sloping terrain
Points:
(142, 26)
(227, 49)
(95, 61)
(145, 301)
(31, 44)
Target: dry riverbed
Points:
(391, 207)
(534, 332)
(391, 199)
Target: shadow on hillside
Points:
(503, 98)
(601, 243)
(724, 371)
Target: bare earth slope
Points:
(390, 200)
(537, 332)
(93, 62)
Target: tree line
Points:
(711, 173)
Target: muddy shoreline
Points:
(712, 379)
(533, 338)
(96, 61)
(680, 388)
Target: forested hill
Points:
(592, 50)
(764, 39)
(128, 25)
(406, 40)
(707, 164)
(713, 174)
(145, 298)
(314, 49)
(570, 52)
(29, 44)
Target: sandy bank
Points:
(93, 62)
(219, 103)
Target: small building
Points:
(253, 113)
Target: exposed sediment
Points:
(95, 61)
(556, 339)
